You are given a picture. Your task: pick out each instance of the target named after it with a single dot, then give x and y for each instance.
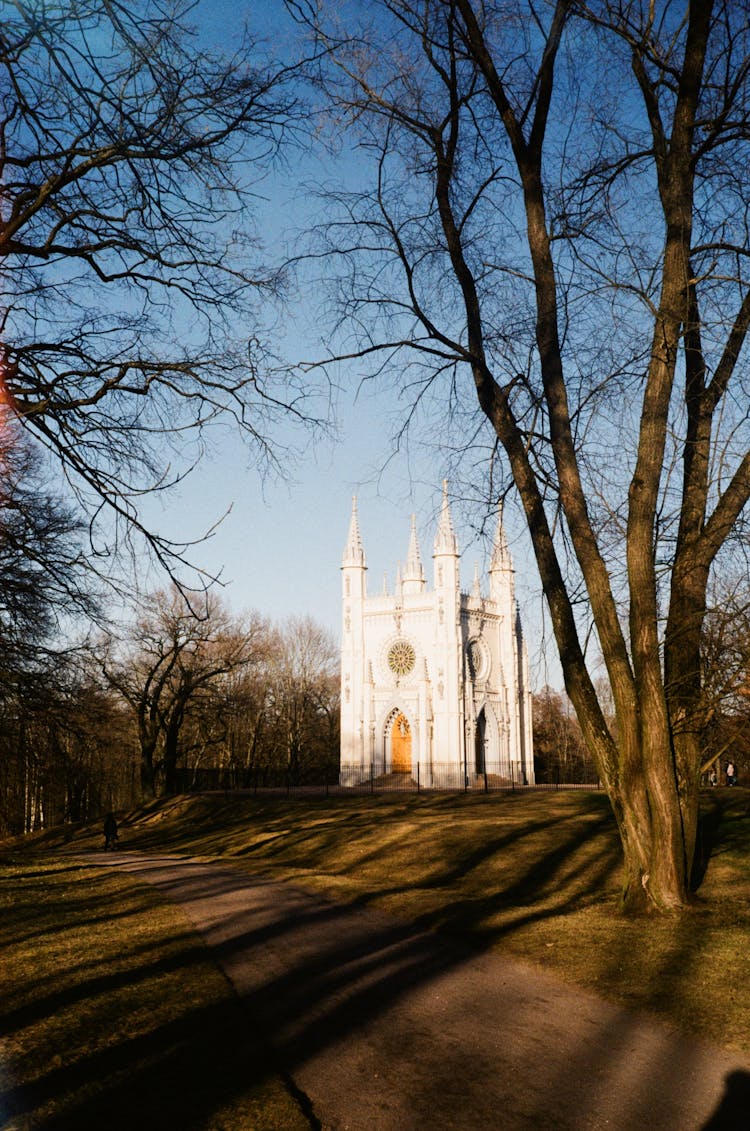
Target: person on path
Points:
(731, 774)
(110, 832)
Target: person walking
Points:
(731, 774)
(110, 832)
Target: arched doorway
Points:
(480, 743)
(400, 745)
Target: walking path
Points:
(385, 1027)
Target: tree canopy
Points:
(44, 577)
(132, 272)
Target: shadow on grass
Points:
(535, 860)
(314, 976)
(319, 978)
(118, 1031)
(733, 1111)
(174, 1077)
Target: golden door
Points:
(401, 746)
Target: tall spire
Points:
(476, 588)
(413, 575)
(501, 559)
(445, 539)
(354, 554)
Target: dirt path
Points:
(387, 1028)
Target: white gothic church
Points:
(434, 682)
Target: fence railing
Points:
(440, 778)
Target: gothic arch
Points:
(487, 742)
(399, 740)
(480, 742)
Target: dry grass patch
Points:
(114, 1016)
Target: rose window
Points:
(401, 657)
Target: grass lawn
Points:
(113, 1016)
(533, 875)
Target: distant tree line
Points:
(560, 753)
(723, 724)
(184, 689)
(208, 690)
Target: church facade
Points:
(434, 682)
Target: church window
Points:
(401, 658)
(477, 660)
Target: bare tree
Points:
(304, 693)
(725, 657)
(560, 754)
(130, 157)
(173, 658)
(241, 716)
(46, 594)
(44, 577)
(555, 229)
(68, 749)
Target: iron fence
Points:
(440, 778)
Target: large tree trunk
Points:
(653, 798)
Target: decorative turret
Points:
(413, 575)
(445, 539)
(476, 588)
(501, 566)
(353, 593)
(354, 554)
(447, 647)
(501, 559)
